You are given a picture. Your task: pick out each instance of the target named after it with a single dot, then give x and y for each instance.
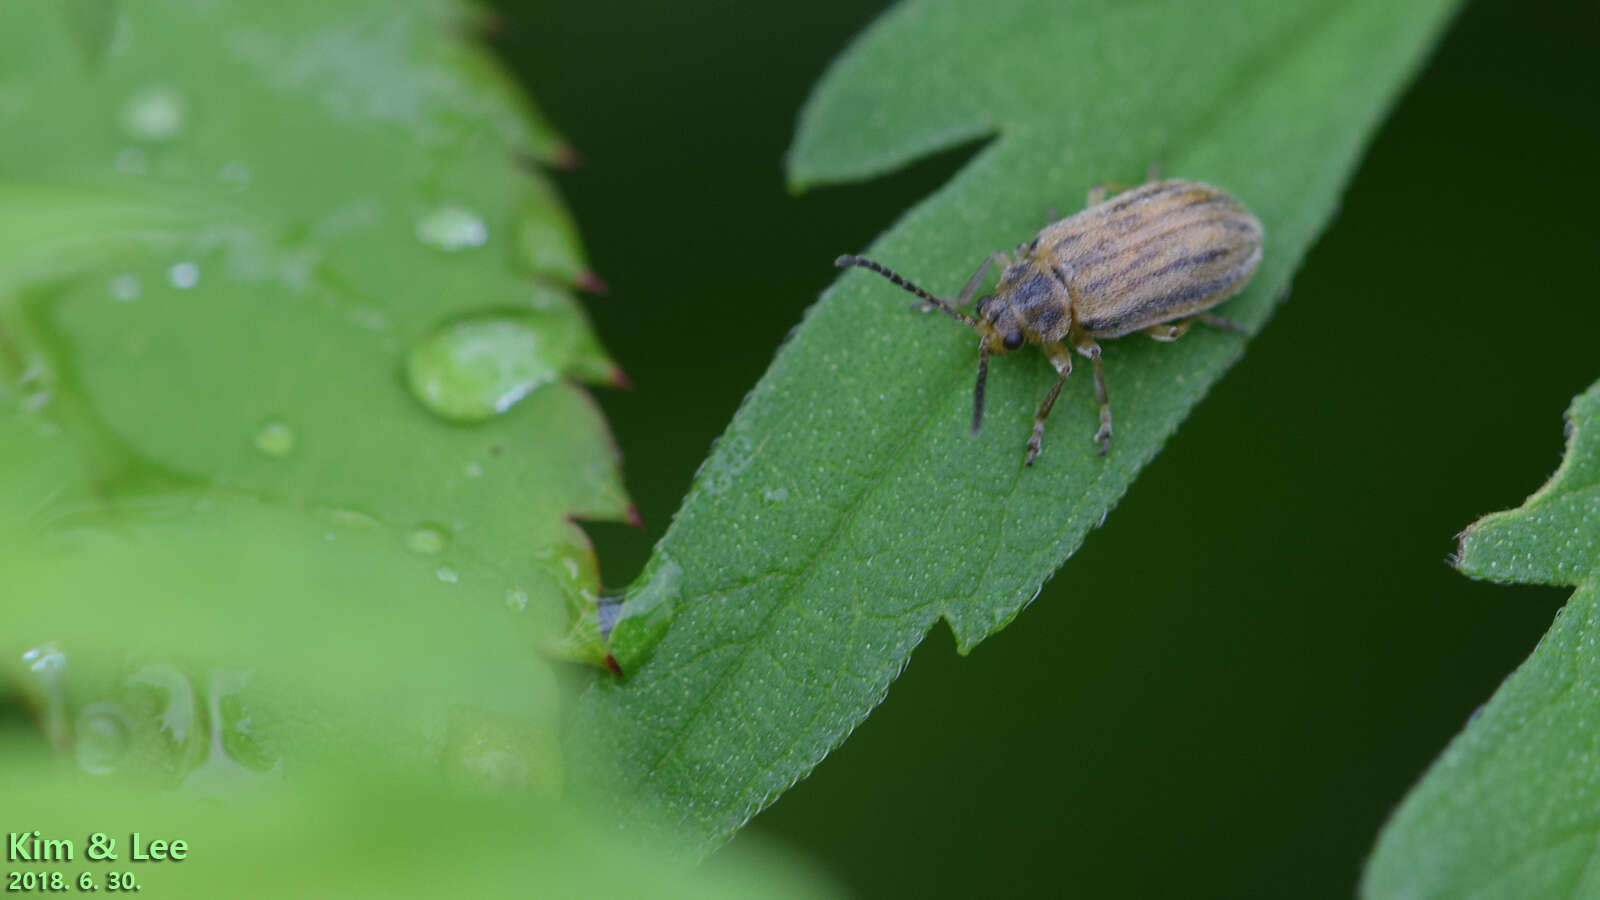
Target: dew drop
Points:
(517, 599)
(184, 275)
(608, 609)
(125, 288)
(732, 455)
(236, 739)
(353, 519)
(46, 661)
(564, 564)
(473, 470)
(427, 540)
(275, 438)
(484, 751)
(775, 495)
(475, 368)
(103, 739)
(154, 114)
(48, 665)
(447, 574)
(172, 699)
(452, 228)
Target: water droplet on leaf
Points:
(125, 288)
(427, 540)
(447, 574)
(184, 275)
(154, 114)
(452, 228)
(731, 456)
(475, 368)
(238, 739)
(169, 698)
(275, 438)
(103, 739)
(343, 517)
(46, 661)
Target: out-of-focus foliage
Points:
(257, 265)
(289, 444)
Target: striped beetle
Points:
(1151, 259)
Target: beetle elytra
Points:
(1153, 259)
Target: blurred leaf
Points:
(357, 835)
(1510, 809)
(846, 509)
(297, 742)
(219, 246)
(190, 638)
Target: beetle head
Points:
(999, 333)
(998, 325)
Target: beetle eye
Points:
(1013, 340)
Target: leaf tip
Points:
(566, 158)
(589, 282)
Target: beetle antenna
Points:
(977, 391)
(846, 261)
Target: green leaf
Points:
(361, 835)
(213, 644)
(187, 638)
(1510, 809)
(221, 243)
(213, 683)
(846, 509)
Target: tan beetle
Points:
(1151, 259)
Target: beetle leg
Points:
(1061, 358)
(1169, 331)
(1089, 348)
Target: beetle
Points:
(1154, 259)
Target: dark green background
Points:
(1228, 688)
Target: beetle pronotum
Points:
(1152, 259)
